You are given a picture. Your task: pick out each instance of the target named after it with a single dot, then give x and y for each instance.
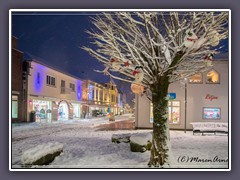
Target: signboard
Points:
(211, 97)
(211, 113)
(171, 96)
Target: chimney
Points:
(14, 42)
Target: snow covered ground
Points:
(87, 147)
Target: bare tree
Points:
(155, 49)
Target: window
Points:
(211, 113)
(173, 112)
(72, 86)
(90, 92)
(62, 83)
(196, 78)
(113, 98)
(14, 107)
(212, 77)
(50, 81)
(96, 94)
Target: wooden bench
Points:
(210, 127)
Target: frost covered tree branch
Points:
(153, 50)
(152, 40)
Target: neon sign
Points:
(211, 97)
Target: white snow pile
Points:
(141, 139)
(32, 155)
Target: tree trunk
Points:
(160, 140)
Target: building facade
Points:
(18, 98)
(202, 98)
(51, 94)
(99, 99)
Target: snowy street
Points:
(86, 146)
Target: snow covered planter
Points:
(140, 142)
(112, 117)
(42, 154)
(118, 138)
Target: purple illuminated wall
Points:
(38, 76)
(79, 90)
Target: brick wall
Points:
(16, 80)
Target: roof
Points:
(54, 68)
(221, 56)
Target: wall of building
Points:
(16, 81)
(196, 100)
(98, 96)
(37, 83)
(38, 89)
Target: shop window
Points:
(212, 77)
(42, 109)
(211, 113)
(196, 78)
(76, 110)
(173, 112)
(14, 107)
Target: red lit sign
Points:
(211, 97)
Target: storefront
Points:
(204, 98)
(50, 110)
(42, 109)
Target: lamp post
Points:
(185, 103)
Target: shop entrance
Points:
(63, 111)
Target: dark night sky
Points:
(56, 38)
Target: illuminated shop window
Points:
(173, 112)
(14, 107)
(211, 113)
(212, 77)
(43, 109)
(197, 78)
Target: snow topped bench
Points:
(210, 127)
(41, 154)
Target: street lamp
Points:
(185, 103)
(137, 88)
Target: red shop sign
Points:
(211, 97)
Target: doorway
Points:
(63, 111)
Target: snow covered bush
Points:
(41, 154)
(140, 142)
(118, 138)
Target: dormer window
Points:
(196, 78)
(212, 77)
